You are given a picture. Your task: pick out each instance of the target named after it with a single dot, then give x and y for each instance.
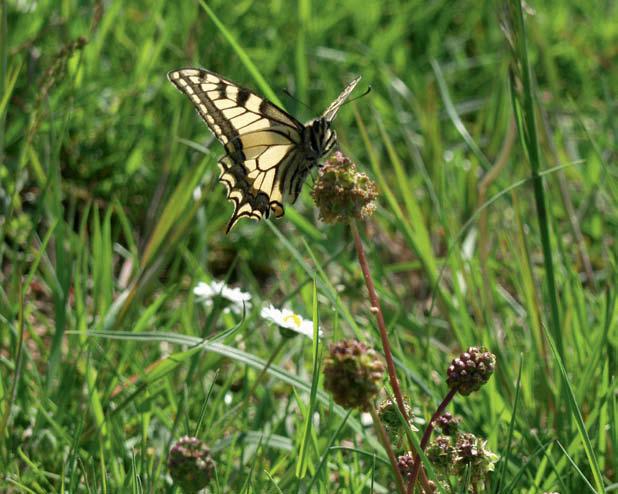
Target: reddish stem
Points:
(377, 310)
(427, 434)
(377, 423)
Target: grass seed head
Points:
(471, 370)
(190, 464)
(388, 412)
(442, 454)
(405, 463)
(342, 193)
(472, 453)
(353, 374)
(447, 424)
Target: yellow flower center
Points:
(295, 318)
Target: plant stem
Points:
(387, 446)
(377, 310)
(427, 434)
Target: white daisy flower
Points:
(286, 319)
(238, 299)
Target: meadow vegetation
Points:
(490, 134)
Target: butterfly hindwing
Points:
(267, 156)
(258, 136)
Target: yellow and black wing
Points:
(262, 141)
(333, 108)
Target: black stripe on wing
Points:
(228, 109)
(248, 202)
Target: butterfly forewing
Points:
(265, 159)
(333, 108)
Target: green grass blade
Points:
(243, 56)
(579, 421)
(524, 108)
(301, 464)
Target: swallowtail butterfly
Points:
(268, 153)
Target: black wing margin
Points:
(261, 141)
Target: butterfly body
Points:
(269, 153)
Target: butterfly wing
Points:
(261, 141)
(331, 112)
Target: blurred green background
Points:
(110, 214)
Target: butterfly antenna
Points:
(297, 100)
